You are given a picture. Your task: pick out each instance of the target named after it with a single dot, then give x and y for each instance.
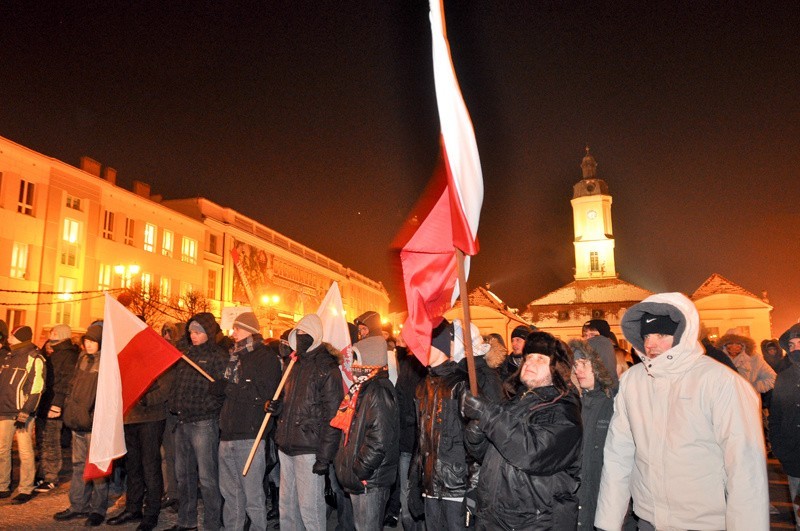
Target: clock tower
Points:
(594, 237)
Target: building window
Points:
(69, 244)
(167, 243)
(563, 315)
(188, 250)
(130, 227)
(25, 203)
(104, 277)
(74, 202)
(212, 284)
(63, 307)
(594, 262)
(147, 283)
(108, 225)
(15, 318)
(164, 288)
(19, 260)
(212, 243)
(150, 237)
(598, 314)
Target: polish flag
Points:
(132, 356)
(335, 331)
(448, 213)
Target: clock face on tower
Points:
(591, 214)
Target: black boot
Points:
(273, 513)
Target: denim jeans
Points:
(196, 454)
(143, 463)
(27, 468)
(344, 507)
(444, 514)
(168, 457)
(302, 494)
(409, 524)
(91, 496)
(48, 445)
(368, 508)
(244, 495)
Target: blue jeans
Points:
(244, 495)
(344, 507)
(444, 514)
(302, 494)
(27, 469)
(368, 508)
(85, 497)
(196, 447)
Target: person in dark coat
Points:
(784, 415)
(490, 384)
(61, 357)
(369, 451)
(597, 400)
(774, 356)
(251, 376)
(530, 445)
(307, 443)
(514, 359)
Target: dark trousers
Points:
(143, 463)
(444, 514)
(48, 442)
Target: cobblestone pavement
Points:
(37, 514)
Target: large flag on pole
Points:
(428, 257)
(335, 331)
(132, 356)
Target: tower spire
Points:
(589, 165)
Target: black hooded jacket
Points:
(372, 450)
(784, 415)
(59, 368)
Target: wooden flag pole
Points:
(196, 366)
(467, 328)
(266, 418)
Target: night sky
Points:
(318, 119)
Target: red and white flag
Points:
(132, 356)
(335, 331)
(428, 259)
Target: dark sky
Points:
(318, 119)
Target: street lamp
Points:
(126, 273)
(271, 301)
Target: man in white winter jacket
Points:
(685, 441)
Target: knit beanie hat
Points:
(311, 324)
(94, 333)
(21, 334)
(657, 324)
(601, 325)
(59, 333)
(521, 331)
(196, 327)
(247, 321)
(442, 336)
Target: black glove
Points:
(274, 407)
(320, 468)
(470, 405)
(473, 434)
(22, 419)
(217, 387)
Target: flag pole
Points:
(266, 417)
(196, 366)
(467, 328)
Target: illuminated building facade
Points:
(70, 233)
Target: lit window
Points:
(212, 284)
(594, 262)
(63, 304)
(73, 202)
(147, 283)
(19, 260)
(130, 226)
(164, 288)
(149, 237)
(108, 225)
(188, 250)
(104, 277)
(25, 203)
(167, 243)
(69, 245)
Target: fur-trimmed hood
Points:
(602, 379)
(747, 343)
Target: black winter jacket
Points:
(409, 373)
(21, 379)
(78, 410)
(596, 411)
(531, 461)
(440, 461)
(191, 399)
(152, 406)
(311, 397)
(59, 369)
(490, 385)
(784, 417)
(372, 451)
(259, 373)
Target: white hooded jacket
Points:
(685, 441)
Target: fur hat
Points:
(311, 324)
(21, 334)
(61, 332)
(559, 353)
(94, 333)
(247, 321)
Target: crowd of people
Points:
(555, 435)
